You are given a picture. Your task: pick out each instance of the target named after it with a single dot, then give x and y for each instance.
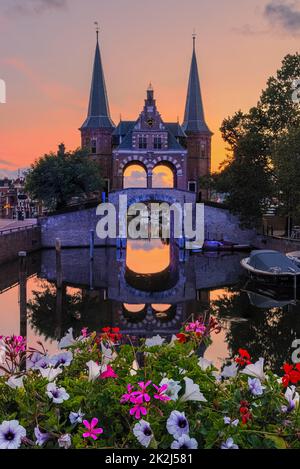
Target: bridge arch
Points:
(164, 176)
(135, 175)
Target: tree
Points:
(248, 175)
(55, 179)
(286, 159)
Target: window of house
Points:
(94, 146)
(203, 150)
(142, 142)
(157, 143)
(192, 186)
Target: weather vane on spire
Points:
(194, 37)
(97, 28)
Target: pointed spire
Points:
(98, 112)
(194, 120)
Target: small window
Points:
(157, 143)
(94, 146)
(203, 150)
(192, 186)
(142, 143)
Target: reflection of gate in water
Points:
(151, 265)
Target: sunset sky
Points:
(47, 49)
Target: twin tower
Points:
(148, 142)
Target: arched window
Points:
(135, 176)
(163, 177)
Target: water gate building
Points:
(148, 153)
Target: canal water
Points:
(151, 288)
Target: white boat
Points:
(272, 267)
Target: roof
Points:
(98, 111)
(176, 129)
(125, 129)
(194, 120)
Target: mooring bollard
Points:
(59, 279)
(23, 293)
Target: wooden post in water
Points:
(58, 263)
(92, 244)
(59, 288)
(23, 294)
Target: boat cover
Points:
(272, 261)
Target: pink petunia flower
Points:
(92, 431)
(109, 373)
(160, 395)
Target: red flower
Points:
(292, 375)
(287, 368)
(246, 417)
(244, 357)
(112, 334)
(286, 381)
(182, 338)
(245, 412)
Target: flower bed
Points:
(105, 391)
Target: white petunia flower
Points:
(65, 441)
(256, 370)
(108, 355)
(204, 364)
(143, 433)
(177, 424)
(50, 373)
(15, 382)
(229, 444)
(173, 388)
(192, 392)
(154, 341)
(94, 370)
(230, 371)
(11, 434)
(76, 417)
(68, 340)
(292, 396)
(255, 386)
(232, 423)
(184, 442)
(62, 359)
(58, 395)
(134, 368)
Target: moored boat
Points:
(294, 257)
(272, 268)
(221, 246)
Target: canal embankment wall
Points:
(12, 241)
(73, 228)
(284, 245)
